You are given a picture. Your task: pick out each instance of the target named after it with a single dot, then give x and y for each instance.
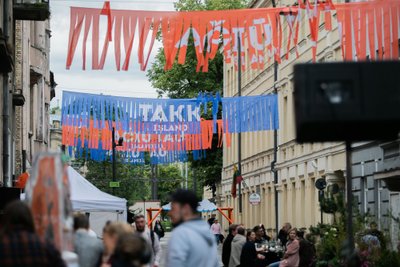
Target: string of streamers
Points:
(370, 30)
(166, 128)
(134, 158)
(93, 138)
(364, 27)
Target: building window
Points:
(391, 151)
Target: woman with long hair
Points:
(291, 257)
(111, 234)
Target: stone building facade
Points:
(34, 81)
(298, 165)
(374, 164)
(6, 88)
(26, 83)
(55, 130)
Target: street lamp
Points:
(114, 145)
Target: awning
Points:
(204, 206)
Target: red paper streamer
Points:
(261, 29)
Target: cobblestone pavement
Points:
(164, 247)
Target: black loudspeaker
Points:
(350, 101)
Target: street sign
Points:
(114, 184)
(254, 199)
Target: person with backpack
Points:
(158, 229)
(150, 237)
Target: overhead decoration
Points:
(166, 128)
(370, 30)
(261, 30)
(250, 113)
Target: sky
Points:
(109, 81)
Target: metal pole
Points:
(182, 174)
(194, 181)
(153, 181)
(273, 163)
(6, 109)
(113, 158)
(349, 196)
(186, 175)
(239, 134)
(156, 182)
(6, 136)
(322, 213)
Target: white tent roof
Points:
(86, 197)
(204, 206)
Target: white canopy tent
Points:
(87, 198)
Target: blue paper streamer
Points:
(165, 116)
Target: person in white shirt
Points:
(216, 230)
(151, 238)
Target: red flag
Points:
(237, 178)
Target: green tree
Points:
(182, 81)
(134, 180)
(169, 179)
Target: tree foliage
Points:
(135, 180)
(182, 81)
(169, 179)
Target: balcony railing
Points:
(31, 9)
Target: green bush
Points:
(167, 225)
(388, 258)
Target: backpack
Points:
(159, 230)
(152, 238)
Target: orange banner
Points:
(375, 23)
(95, 138)
(260, 30)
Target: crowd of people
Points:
(257, 249)
(193, 242)
(121, 245)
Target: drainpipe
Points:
(5, 112)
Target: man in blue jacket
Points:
(191, 243)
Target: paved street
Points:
(164, 247)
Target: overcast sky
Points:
(132, 83)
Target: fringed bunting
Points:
(328, 8)
(375, 23)
(250, 113)
(165, 128)
(369, 30)
(313, 14)
(107, 12)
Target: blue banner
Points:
(172, 120)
